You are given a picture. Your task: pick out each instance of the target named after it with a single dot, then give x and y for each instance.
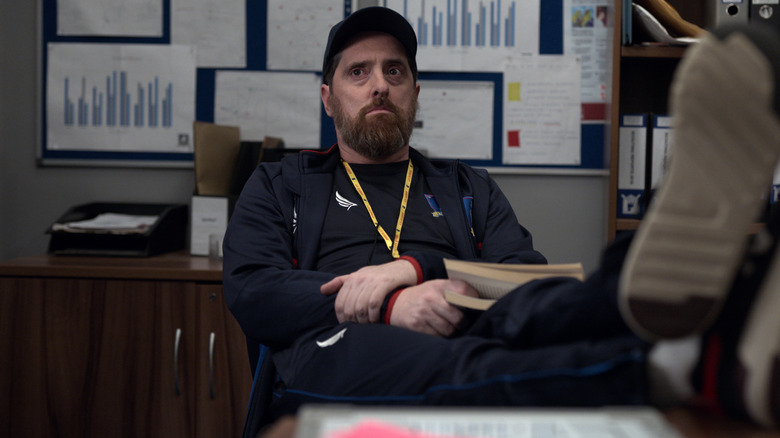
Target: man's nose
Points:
(379, 85)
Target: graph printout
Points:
(468, 102)
(297, 32)
(471, 35)
(110, 17)
(276, 104)
(121, 98)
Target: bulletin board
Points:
(147, 105)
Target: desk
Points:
(689, 423)
(104, 346)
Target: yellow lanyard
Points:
(392, 244)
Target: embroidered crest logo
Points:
(344, 202)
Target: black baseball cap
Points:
(372, 19)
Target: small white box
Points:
(209, 218)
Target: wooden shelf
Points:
(627, 224)
(638, 51)
(641, 79)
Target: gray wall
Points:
(566, 213)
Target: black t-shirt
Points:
(349, 240)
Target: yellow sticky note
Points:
(514, 91)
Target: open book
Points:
(494, 280)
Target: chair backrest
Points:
(258, 413)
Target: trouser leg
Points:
(560, 310)
(379, 364)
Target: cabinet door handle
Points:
(176, 342)
(212, 339)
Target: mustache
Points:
(380, 102)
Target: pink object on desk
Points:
(375, 429)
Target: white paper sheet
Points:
(120, 97)
(275, 104)
(330, 421)
(586, 33)
(110, 17)
(216, 27)
(471, 35)
(298, 32)
(455, 119)
(542, 111)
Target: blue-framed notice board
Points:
(122, 84)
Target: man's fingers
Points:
(332, 286)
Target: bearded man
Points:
(333, 261)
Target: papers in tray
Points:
(114, 223)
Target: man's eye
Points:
(394, 71)
(356, 72)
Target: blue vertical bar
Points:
(95, 107)
(440, 30)
(514, 23)
(482, 25)
(139, 118)
(463, 22)
(422, 25)
(127, 96)
(115, 100)
(156, 102)
(492, 23)
(122, 97)
(65, 103)
(170, 105)
(435, 30)
(450, 23)
(141, 105)
(150, 102)
(83, 103)
(498, 24)
(108, 100)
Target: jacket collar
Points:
(317, 168)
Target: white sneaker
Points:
(726, 107)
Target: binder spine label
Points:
(632, 156)
(661, 146)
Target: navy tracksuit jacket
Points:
(556, 342)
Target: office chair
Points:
(258, 413)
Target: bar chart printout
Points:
(120, 98)
(475, 35)
(111, 105)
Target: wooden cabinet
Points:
(641, 77)
(119, 347)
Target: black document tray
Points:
(168, 233)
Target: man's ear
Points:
(417, 86)
(324, 94)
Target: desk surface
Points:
(171, 266)
(690, 424)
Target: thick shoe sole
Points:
(726, 143)
(758, 352)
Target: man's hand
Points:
(361, 293)
(423, 308)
